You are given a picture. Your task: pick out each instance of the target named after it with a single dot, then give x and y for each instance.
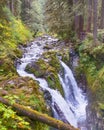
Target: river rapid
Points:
(72, 107)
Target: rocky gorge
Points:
(42, 59)
(48, 59)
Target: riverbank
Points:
(91, 65)
(41, 59)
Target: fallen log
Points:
(35, 115)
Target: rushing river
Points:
(72, 108)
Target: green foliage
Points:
(32, 15)
(41, 126)
(9, 120)
(87, 44)
(101, 35)
(58, 19)
(25, 91)
(15, 31)
(12, 33)
(52, 58)
(92, 64)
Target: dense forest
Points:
(76, 25)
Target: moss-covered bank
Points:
(92, 65)
(13, 87)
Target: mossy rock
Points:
(54, 82)
(38, 68)
(52, 58)
(46, 70)
(35, 69)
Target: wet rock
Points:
(60, 113)
(38, 43)
(95, 121)
(34, 68)
(17, 62)
(48, 47)
(48, 97)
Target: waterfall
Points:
(70, 109)
(73, 94)
(59, 105)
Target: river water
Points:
(71, 108)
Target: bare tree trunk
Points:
(95, 4)
(102, 16)
(89, 15)
(76, 18)
(35, 115)
(12, 6)
(81, 25)
(78, 21)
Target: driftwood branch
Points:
(35, 115)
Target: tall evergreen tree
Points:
(32, 14)
(95, 19)
(102, 15)
(58, 17)
(89, 21)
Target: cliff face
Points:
(95, 120)
(92, 66)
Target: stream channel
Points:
(71, 108)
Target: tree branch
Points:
(35, 115)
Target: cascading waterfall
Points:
(57, 99)
(70, 109)
(73, 94)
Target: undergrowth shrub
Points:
(92, 64)
(12, 32)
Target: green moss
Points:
(36, 71)
(65, 56)
(38, 68)
(25, 91)
(6, 66)
(101, 35)
(92, 64)
(12, 34)
(54, 82)
(53, 61)
(47, 70)
(40, 126)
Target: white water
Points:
(73, 94)
(70, 109)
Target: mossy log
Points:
(35, 115)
